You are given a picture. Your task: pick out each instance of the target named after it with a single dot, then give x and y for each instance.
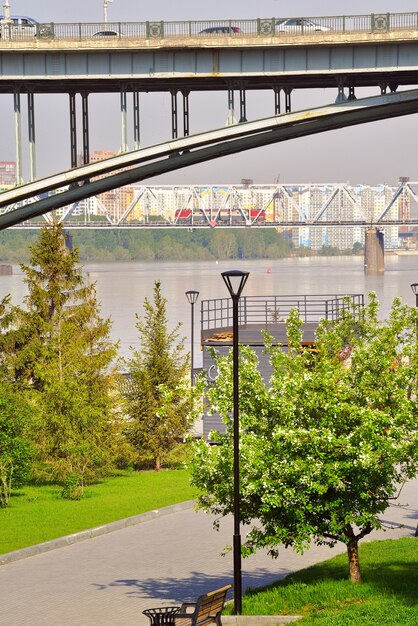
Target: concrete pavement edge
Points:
(68, 540)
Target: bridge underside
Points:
(382, 78)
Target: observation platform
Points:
(269, 313)
(264, 313)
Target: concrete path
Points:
(109, 579)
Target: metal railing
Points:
(267, 310)
(203, 29)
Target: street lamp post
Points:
(414, 288)
(235, 281)
(192, 297)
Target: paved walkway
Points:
(110, 579)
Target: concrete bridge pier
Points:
(374, 255)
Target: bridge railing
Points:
(267, 310)
(259, 27)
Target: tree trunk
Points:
(157, 465)
(353, 561)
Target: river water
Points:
(122, 287)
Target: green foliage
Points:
(73, 487)
(159, 402)
(16, 450)
(39, 513)
(57, 350)
(327, 442)
(159, 244)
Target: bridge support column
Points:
(276, 100)
(186, 119)
(341, 97)
(231, 108)
(374, 255)
(31, 135)
(174, 124)
(85, 116)
(242, 106)
(73, 129)
(123, 122)
(137, 133)
(351, 91)
(288, 103)
(18, 136)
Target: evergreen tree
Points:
(159, 400)
(57, 350)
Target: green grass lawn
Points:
(322, 594)
(38, 513)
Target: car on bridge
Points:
(299, 25)
(220, 30)
(21, 27)
(107, 33)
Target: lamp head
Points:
(235, 281)
(192, 296)
(414, 288)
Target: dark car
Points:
(220, 30)
(107, 33)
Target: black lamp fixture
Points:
(192, 296)
(414, 288)
(235, 281)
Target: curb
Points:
(258, 620)
(83, 535)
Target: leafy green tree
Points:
(358, 247)
(16, 448)
(328, 442)
(223, 244)
(159, 400)
(58, 351)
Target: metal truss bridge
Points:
(249, 205)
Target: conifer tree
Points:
(57, 349)
(159, 400)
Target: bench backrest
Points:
(211, 604)
(206, 610)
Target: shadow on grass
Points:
(381, 568)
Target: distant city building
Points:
(113, 202)
(7, 173)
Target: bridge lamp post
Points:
(6, 11)
(105, 3)
(192, 297)
(235, 281)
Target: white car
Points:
(299, 25)
(22, 27)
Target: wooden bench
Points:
(206, 610)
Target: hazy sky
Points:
(379, 152)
